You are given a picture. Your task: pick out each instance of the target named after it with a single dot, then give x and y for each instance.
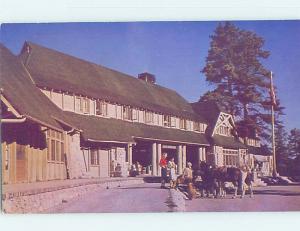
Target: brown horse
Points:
(214, 180)
(240, 179)
(227, 174)
(209, 182)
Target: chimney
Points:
(147, 77)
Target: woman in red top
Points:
(163, 165)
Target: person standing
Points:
(163, 165)
(188, 173)
(173, 176)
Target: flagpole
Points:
(273, 128)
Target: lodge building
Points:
(63, 118)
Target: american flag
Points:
(272, 91)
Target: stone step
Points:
(258, 182)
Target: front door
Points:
(21, 164)
(104, 163)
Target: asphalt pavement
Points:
(149, 197)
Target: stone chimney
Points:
(147, 77)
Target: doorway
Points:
(21, 163)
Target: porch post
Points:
(158, 159)
(179, 158)
(129, 150)
(203, 154)
(199, 156)
(183, 156)
(154, 161)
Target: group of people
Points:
(171, 167)
(213, 178)
(135, 169)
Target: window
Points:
(101, 108)
(94, 157)
(53, 150)
(167, 121)
(55, 146)
(202, 127)
(86, 105)
(196, 126)
(127, 113)
(173, 122)
(188, 125)
(82, 104)
(199, 127)
(182, 124)
(222, 130)
(134, 114)
(149, 117)
(231, 157)
(78, 104)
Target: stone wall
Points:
(76, 161)
(42, 201)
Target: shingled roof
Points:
(109, 129)
(56, 70)
(226, 142)
(211, 111)
(260, 151)
(19, 90)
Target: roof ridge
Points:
(97, 65)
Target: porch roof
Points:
(227, 142)
(114, 130)
(259, 151)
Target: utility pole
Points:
(273, 103)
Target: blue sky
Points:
(174, 51)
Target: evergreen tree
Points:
(294, 151)
(294, 143)
(282, 157)
(234, 67)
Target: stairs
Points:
(258, 182)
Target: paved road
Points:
(147, 197)
(270, 198)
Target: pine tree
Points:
(282, 157)
(234, 67)
(294, 151)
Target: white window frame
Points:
(101, 108)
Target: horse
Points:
(227, 174)
(214, 180)
(240, 179)
(209, 181)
